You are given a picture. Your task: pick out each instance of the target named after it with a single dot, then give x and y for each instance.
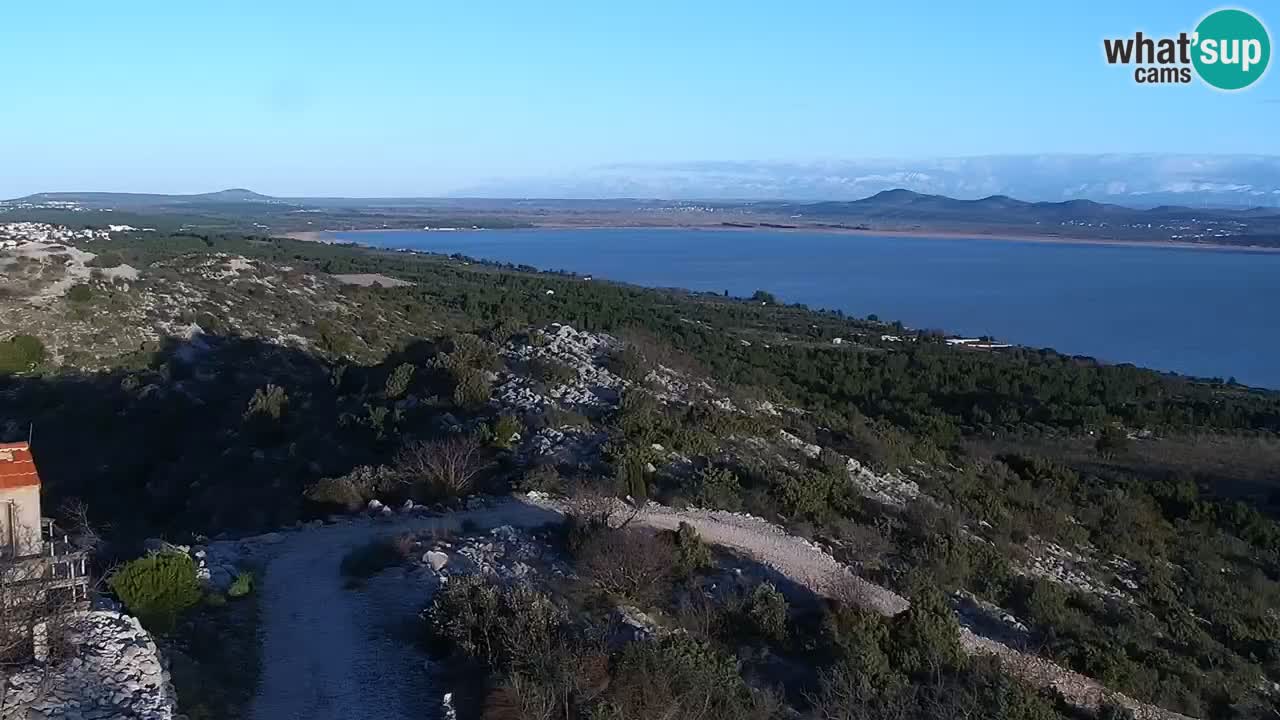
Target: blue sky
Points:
(416, 97)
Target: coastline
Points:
(330, 236)
(958, 327)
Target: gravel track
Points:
(331, 653)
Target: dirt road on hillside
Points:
(332, 653)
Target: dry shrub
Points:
(681, 677)
(373, 557)
(517, 698)
(515, 627)
(338, 491)
(632, 563)
(32, 606)
(353, 490)
(404, 544)
(441, 469)
(656, 350)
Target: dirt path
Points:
(809, 565)
(331, 653)
(334, 653)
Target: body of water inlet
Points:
(1203, 312)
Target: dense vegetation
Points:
(246, 435)
(738, 649)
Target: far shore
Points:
(330, 236)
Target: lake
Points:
(1203, 312)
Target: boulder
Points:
(631, 624)
(436, 559)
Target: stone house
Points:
(32, 553)
(20, 526)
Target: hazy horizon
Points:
(1136, 180)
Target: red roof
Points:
(17, 467)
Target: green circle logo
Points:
(1232, 49)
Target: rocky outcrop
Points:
(594, 387)
(505, 553)
(1079, 569)
(631, 624)
(115, 672)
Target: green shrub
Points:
(399, 380)
(373, 557)
(680, 677)
(21, 353)
(80, 293)
(267, 402)
(552, 373)
(244, 584)
(692, 554)
(927, 636)
(505, 430)
(858, 639)
(766, 610)
(470, 388)
(215, 600)
(157, 588)
(806, 494)
(472, 351)
(717, 488)
(631, 471)
(641, 420)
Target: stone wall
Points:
(114, 672)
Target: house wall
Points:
(26, 503)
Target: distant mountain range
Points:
(908, 206)
(148, 200)
(1144, 180)
(895, 210)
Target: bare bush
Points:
(34, 617)
(631, 563)
(84, 533)
(441, 469)
(520, 699)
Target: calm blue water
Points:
(1202, 312)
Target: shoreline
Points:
(330, 236)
